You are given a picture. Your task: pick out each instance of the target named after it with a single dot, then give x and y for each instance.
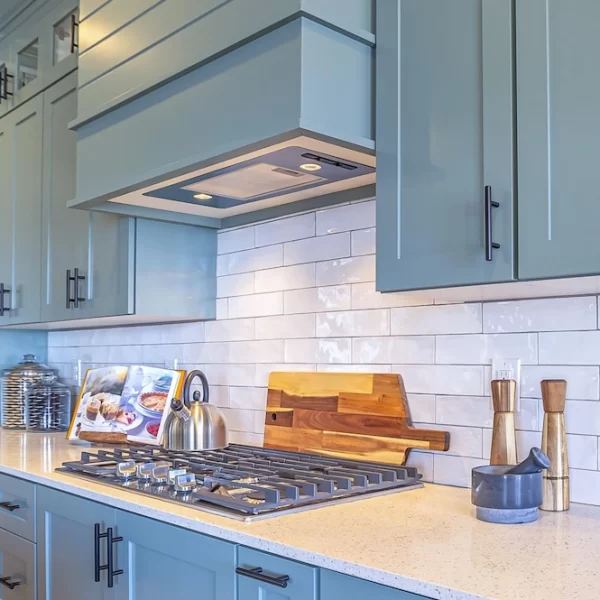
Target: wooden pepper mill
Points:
(554, 444)
(504, 440)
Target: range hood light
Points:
(310, 167)
(203, 196)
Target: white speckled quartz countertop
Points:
(425, 541)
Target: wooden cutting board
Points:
(350, 415)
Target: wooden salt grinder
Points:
(504, 441)
(554, 444)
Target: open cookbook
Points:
(124, 404)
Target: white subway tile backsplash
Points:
(355, 323)
(263, 371)
(346, 218)
(421, 408)
(229, 330)
(253, 398)
(454, 470)
(236, 285)
(363, 242)
(251, 260)
(364, 295)
(318, 351)
(257, 305)
(235, 240)
(286, 278)
(315, 249)
(346, 270)
(407, 350)
(285, 327)
(481, 349)
(314, 300)
(570, 348)
(582, 382)
(298, 294)
(582, 417)
(447, 318)
(441, 379)
(285, 230)
(549, 314)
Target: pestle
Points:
(536, 461)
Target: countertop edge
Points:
(89, 492)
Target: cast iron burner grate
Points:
(243, 482)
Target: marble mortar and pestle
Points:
(509, 493)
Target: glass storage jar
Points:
(15, 382)
(48, 405)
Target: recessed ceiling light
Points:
(310, 167)
(203, 196)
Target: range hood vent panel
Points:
(253, 181)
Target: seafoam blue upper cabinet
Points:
(444, 133)
(167, 88)
(558, 95)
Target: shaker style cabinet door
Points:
(335, 585)
(558, 95)
(445, 144)
(66, 545)
(261, 576)
(164, 561)
(6, 211)
(65, 232)
(17, 568)
(26, 147)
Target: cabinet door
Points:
(334, 586)
(558, 95)
(444, 133)
(65, 231)
(17, 563)
(163, 561)
(6, 209)
(300, 585)
(27, 211)
(66, 544)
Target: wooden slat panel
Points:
(345, 415)
(312, 403)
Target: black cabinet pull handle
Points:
(257, 573)
(74, 25)
(110, 540)
(490, 245)
(4, 77)
(69, 300)
(76, 279)
(10, 506)
(11, 585)
(3, 291)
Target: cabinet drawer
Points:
(17, 506)
(301, 583)
(335, 585)
(17, 563)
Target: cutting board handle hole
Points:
(274, 416)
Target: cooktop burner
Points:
(243, 482)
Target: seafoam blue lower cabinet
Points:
(17, 563)
(65, 547)
(335, 586)
(301, 583)
(163, 561)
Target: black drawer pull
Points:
(3, 291)
(257, 573)
(490, 245)
(9, 506)
(74, 26)
(110, 540)
(11, 585)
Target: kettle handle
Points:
(188, 384)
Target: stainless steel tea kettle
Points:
(196, 424)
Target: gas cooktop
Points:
(242, 482)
